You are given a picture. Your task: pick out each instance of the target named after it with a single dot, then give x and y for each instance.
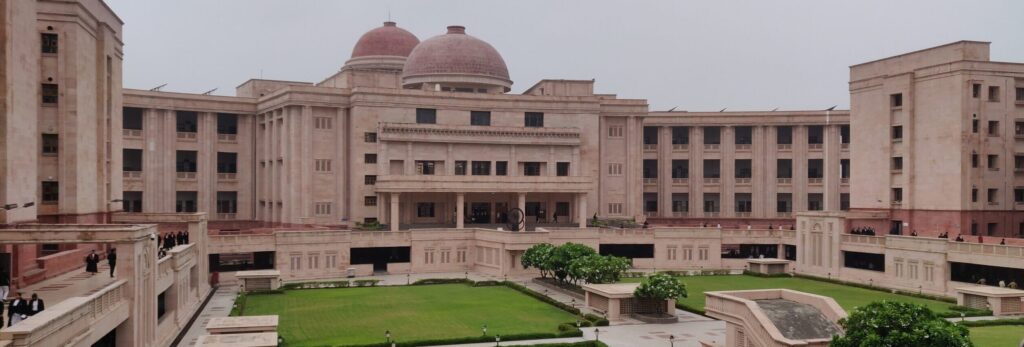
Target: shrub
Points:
(366, 283)
(596, 268)
(890, 323)
(662, 287)
(542, 297)
(596, 320)
(316, 285)
(537, 257)
(993, 322)
(487, 283)
(428, 281)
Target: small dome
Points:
(388, 40)
(458, 60)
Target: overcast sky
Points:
(699, 56)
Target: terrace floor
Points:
(71, 284)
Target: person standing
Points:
(112, 260)
(169, 240)
(91, 262)
(15, 312)
(35, 305)
(5, 288)
(185, 238)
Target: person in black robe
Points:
(35, 305)
(91, 262)
(169, 240)
(112, 260)
(180, 238)
(185, 233)
(16, 309)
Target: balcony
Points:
(186, 175)
(784, 214)
(134, 133)
(711, 146)
(187, 136)
(448, 133)
(680, 147)
(742, 180)
(650, 147)
(784, 180)
(743, 147)
(227, 176)
(679, 181)
(132, 175)
(227, 137)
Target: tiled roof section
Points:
(456, 53)
(388, 40)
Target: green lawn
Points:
(998, 336)
(321, 317)
(848, 297)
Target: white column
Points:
(460, 199)
(394, 212)
(581, 204)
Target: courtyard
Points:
(849, 297)
(350, 316)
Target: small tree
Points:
(563, 255)
(537, 257)
(890, 323)
(660, 286)
(595, 268)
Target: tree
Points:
(537, 257)
(563, 255)
(890, 323)
(595, 268)
(660, 286)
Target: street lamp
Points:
(578, 323)
(497, 340)
(672, 341)
(484, 328)
(407, 279)
(962, 317)
(387, 336)
(597, 334)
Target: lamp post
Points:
(484, 329)
(597, 334)
(406, 279)
(672, 341)
(387, 336)
(578, 323)
(497, 340)
(280, 341)
(962, 317)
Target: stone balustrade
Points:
(476, 134)
(73, 321)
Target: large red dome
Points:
(456, 54)
(388, 40)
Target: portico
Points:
(416, 209)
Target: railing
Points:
(753, 328)
(241, 243)
(864, 239)
(679, 181)
(742, 180)
(783, 180)
(814, 180)
(164, 266)
(743, 147)
(68, 321)
(814, 146)
(679, 213)
(785, 146)
(711, 214)
(226, 216)
(227, 137)
(711, 146)
(186, 175)
(132, 174)
(742, 214)
(680, 147)
(844, 180)
(784, 214)
(186, 136)
(987, 249)
(650, 180)
(650, 147)
(131, 133)
(710, 180)
(231, 176)
(651, 214)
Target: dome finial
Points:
(456, 29)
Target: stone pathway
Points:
(68, 285)
(219, 306)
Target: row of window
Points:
(184, 201)
(185, 161)
(744, 135)
(185, 121)
(482, 118)
(743, 168)
(743, 202)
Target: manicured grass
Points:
(996, 336)
(848, 297)
(322, 317)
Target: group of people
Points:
(92, 261)
(19, 309)
(171, 239)
(869, 231)
(960, 238)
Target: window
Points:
(1018, 129)
(426, 116)
(650, 135)
(1018, 195)
(50, 94)
(425, 167)
(974, 126)
(322, 209)
(680, 168)
(974, 228)
(896, 100)
(993, 195)
(534, 119)
(322, 123)
(615, 131)
(615, 208)
(370, 137)
(49, 42)
(227, 162)
(712, 135)
(50, 192)
(322, 165)
(227, 123)
(460, 167)
(974, 160)
(186, 161)
(185, 201)
(680, 135)
(844, 201)
(187, 121)
(815, 168)
(481, 168)
(132, 201)
(425, 210)
(562, 169)
(744, 135)
(712, 168)
(897, 163)
(131, 159)
(784, 168)
(479, 118)
(369, 180)
(711, 202)
(993, 93)
(991, 228)
(974, 194)
(744, 202)
(897, 133)
(976, 90)
(815, 201)
(897, 195)
(844, 168)
(680, 202)
(501, 168)
(370, 158)
(815, 135)
(650, 168)
(227, 202)
(615, 169)
(1020, 94)
(784, 202)
(993, 128)
(844, 134)
(131, 118)
(743, 168)
(784, 135)
(50, 144)
(531, 168)
(993, 162)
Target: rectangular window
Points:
(131, 160)
(131, 118)
(501, 168)
(650, 135)
(187, 121)
(650, 168)
(479, 118)
(1020, 94)
(992, 228)
(370, 137)
(369, 201)
(369, 180)
(531, 168)
(744, 135)
(844, 168)
(481, 168)
(534, 119)
(815, 201)
(712, 168)
(50, 94)
(784, 135)
(227, 162)
(815, 135)
(49, 42)
(680, 135)
(51, 143)
(744, 168)
(615, 169)
(712, 135)
(680, 202)
(993, 195)
(897, 133)
(784, 202)
(370, 158)
(744, 202)
(974, 194)
(1018, 162)
(974, 160)
(897, 163)
(227, 202)
(227, 123)
(615, 208)
(132, 201)
(993, 93)
(185, 202)
(976, 90)
(425, 210)
(712, 202)
(680, 168)
(425, 167)
(844, 201)
(322, 165)
(784, 168)
(1018, 195)
(896, 100)
(1018, 129)
(50, 192)
(815, 168)
(562, 169)
(993, 128)
(974, 126)
(323, 123)
(615, 131)
(460, 167)
(844, 134)
(426, 116)
(897, 195)
(993, 162)
(322, 209)
(185, 161)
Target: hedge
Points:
(993, 322)
(758, 274)
(429, 281)
(881, 289)
(484, 339)
(542, 297)
(316, 285)
(596, 320)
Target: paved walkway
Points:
(68, 285)
(983, 318)
(219, 306)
